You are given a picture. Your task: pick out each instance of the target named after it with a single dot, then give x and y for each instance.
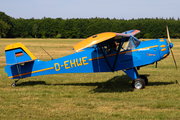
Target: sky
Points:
(119, 9)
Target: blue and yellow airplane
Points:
(104, 52)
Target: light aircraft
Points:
(94, 54)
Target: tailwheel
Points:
(13, 84)
(145, 79)
(139, 83)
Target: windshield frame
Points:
(135, 41)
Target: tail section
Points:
(16, 55)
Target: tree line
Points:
(83, 28)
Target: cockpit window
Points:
(132, 43)
(128, 45)
(111, 46)
(136, 42)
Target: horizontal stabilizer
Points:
(20, 62)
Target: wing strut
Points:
(119, 48)
(117, 53)
(19, 70)
(105, 57)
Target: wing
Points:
(132, 32)
(98, 38)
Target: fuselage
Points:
(91, 60)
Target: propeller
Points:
(171, 47)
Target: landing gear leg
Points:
(14, 84)
(139, 81)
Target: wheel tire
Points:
(145, 79)
(139, 83)
(13, 84)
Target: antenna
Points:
(48, 54)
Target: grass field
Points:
(88, 96)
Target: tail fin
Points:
(17, 54)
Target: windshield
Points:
(136, 41)
(132, 43)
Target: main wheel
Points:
(145, 79)
(139, 83)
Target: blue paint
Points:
(90, 60)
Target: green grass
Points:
(89, 96)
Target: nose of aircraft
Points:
(164, 48)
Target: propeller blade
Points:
(171, 48)
(168, 34)
(173, 57)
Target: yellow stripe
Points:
(123, 52)
(163, 46)
(165, 56)
(164, 49)
(32, 72)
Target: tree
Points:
(83, 28)
(4, 28)
(35, 30)
(5, 24)
(147, 35)
(5, 18)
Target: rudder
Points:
(17, 54)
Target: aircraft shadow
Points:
(116, 84)
(31, 83)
